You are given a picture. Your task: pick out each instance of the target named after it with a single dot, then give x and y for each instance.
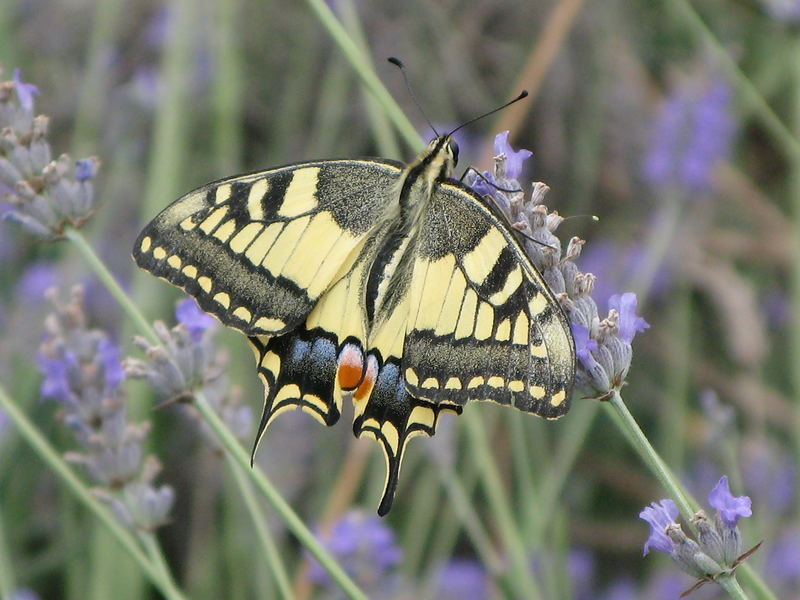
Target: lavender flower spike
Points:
(514, 158)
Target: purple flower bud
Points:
(659, 516)
(56, 371)
(86, 169)
(25, 91)
(731, 508)
(514, 159)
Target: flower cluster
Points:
(83, 373)
(718, 549)
(603, 346)
(44, 194)
(692, 133)
(188, 362)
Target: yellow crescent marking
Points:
(146, 243)
(244, 314)
(422, 415)
(271, 362)
(204, 283)
(558, 398)
(411, 376)
(430, 382)
(223, 299)
(174, 261)
(516, 385)
(476, 381)
(454, 383)
(537, 304)
(389, 431)
(496, 381)
(190, 271)
(536, 391)
(268, 324)
(159, 253)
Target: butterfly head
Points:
(442, 156)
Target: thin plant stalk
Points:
(158, 575)
(263, 533)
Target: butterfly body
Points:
(393, 285)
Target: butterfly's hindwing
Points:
(485, 326)
(259, 250)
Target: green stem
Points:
(107, 278)
(624, 419)
(293, 522)
(57, 464)
(157, 557)
(7, 584)
(364, 70)
(732, 587)
(262, 529)
(500, 506)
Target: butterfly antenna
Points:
(522, 94)
(399, 64)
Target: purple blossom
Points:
(189, 314)
(629, 322)
(109, 356)
(659, 516)
(57, 385)
(25, 91)
(692, 132)
(86, 169)
(584, 345)
(514, 159)
(37, 279)
(731, 508)
(462, 579)
(364, 546)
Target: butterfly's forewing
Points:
(484, 325)
(258, 250)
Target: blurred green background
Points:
(676, 122)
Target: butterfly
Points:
(390, 284)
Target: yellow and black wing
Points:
(484, 325)
(258, 250)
